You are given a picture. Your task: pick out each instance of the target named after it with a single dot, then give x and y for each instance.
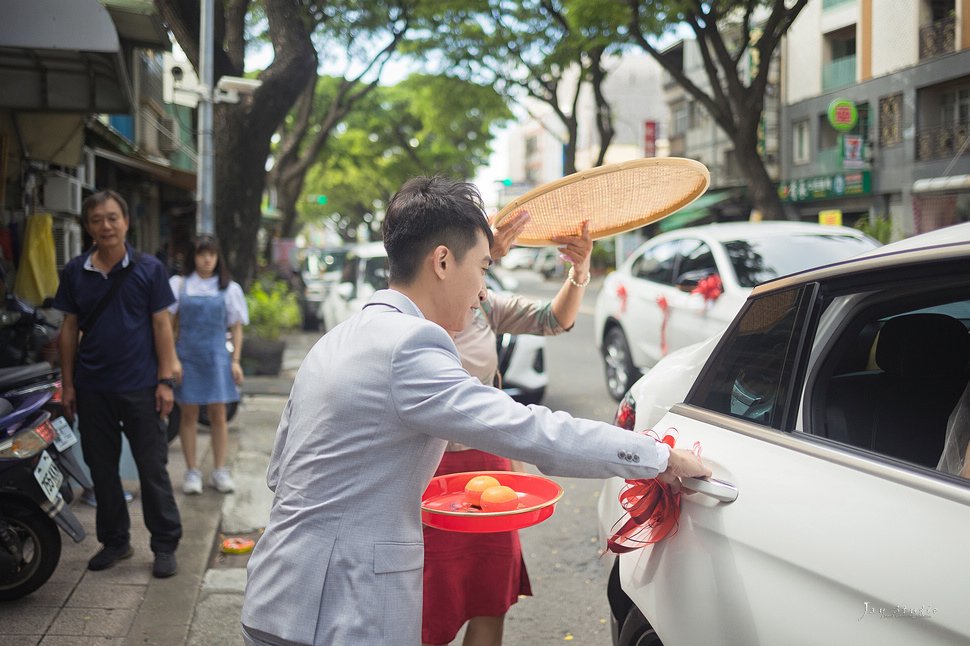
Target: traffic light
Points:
(321, 199)
(507, 181)
(317, 199)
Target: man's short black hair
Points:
(99, 198)
(427, 212)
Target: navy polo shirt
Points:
(118, 353)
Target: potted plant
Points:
(271, 312)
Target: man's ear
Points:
(440, 258)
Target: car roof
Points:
(941, 244)
(727, 231)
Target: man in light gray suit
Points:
(371, 410)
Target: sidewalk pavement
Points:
(200, 606)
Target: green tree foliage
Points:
(425, 125)
(530, 51)
(737, 40)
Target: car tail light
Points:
(57, 392)
(626, 412)
(30, 440)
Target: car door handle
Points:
(723, 491)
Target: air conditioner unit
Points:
(167, 136)
(62, 193)
(67, 241)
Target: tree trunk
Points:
(569, 147)
(761, 188)
(287, 194)
(242, 135)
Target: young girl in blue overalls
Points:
(208, 302)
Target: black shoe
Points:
(165, 565)
(108, 556)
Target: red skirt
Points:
(469, 575)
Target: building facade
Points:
(640, 117)
(877, 111)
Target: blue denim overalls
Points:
(201, 347)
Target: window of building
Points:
(801, 133)
(890, 120)
(955, 107)
(680, 118)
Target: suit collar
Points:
(397, 300)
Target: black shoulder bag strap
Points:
(116, 281)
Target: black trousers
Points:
(103, 417)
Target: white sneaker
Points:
(222, 481)
(193, 482)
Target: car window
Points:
(894, 379)
(375, 272)
(696, 262)
(760, 258)
(750, 376)
(657, 263)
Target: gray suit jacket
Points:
(361, 435)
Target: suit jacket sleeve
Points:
(433, 394)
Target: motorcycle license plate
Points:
(65, 435)
(48, 476)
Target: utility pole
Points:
(205, 190)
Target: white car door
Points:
(650, 284)
(693, 317)
(824, 543)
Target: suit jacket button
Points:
(621, 455)
(636, 458)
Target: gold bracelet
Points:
(572, 277)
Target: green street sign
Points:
(843, 115)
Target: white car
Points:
(521, 358)
(520, 258)
(824, 410)
(665, 277)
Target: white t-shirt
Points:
(236, 310)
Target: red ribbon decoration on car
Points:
(653, 510)
(710, 288)
(665, 310)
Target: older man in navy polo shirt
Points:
(117, 376)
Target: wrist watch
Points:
(168, 381)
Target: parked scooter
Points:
(24, 332)
(21, 381)
(32, 506)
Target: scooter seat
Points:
(21, 375)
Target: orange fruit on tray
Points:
(500, 498)
(475, 487)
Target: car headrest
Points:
(923, 345)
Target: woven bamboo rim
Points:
(615, 198)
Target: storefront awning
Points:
(165, 174)
(940, 184)
(693, 212)
(66, 55)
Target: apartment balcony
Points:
(937, 38)
(942, 142)
(839, 73)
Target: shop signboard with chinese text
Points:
(826, 187)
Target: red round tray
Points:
(443, 505)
